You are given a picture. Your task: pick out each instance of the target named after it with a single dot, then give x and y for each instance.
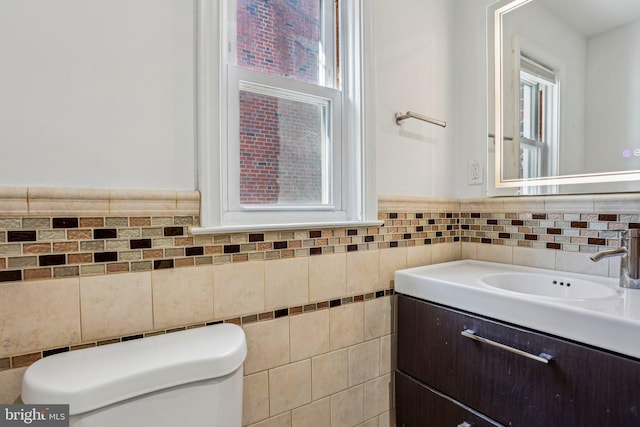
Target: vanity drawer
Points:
(420, 406)
(579, 386)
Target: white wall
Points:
(414, 72)
(97, 93)
(612, 99)
(469, 94)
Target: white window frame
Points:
(356, 199)
(233, 211)
(540, 155)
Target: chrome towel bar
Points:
(411, 115)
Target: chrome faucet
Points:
(630, 262)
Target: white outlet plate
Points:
(475, 172)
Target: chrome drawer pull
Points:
(464, 424)
(542, 358)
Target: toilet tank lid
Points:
(92, 378)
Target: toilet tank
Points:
(191, 378)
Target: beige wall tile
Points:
(482, 205)
(327, 277)
(309, 334)
(387, 419)
(364, 362)
(10, 249)
(116, 305)
(579, 262)
(329, 373)
(14, 200)
(238, 289)
(286, 282)
(57, 201)
(523, 204)
(346, 325)
(457, 250)
(624, 202)
(392, 203)
(388, 353)
(496, 253)
(614, 266)
(73, 201)
(10, 385)
(267, 344)
(445, 252)
(289, 386)
(282, 420)
(188, 202)
(182, 296)
(373, 422)
(391, 259)
(255, 398)
(38, 315)
(362, 272)
(378, 317)
(468, 250)
(541, 258)
(578, 203)
(347, 407)
(142, 202)
(377, 396)
(419, 255)
(315, 414)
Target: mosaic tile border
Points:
(24, 360)
(36, 248)
(573, 232)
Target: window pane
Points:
(281, 37)
(284, 150)
(527, 108)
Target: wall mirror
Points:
(564, 94)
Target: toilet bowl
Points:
(190, 378)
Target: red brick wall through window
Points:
(280, 140)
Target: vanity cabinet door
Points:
(419, 406)
(580, 386)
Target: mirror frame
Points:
(500, 8)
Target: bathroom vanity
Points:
(473, 354)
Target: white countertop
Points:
(611, 323)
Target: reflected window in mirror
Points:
(538, 113)
(566, 121)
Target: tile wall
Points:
(82, 269)
(557, 232)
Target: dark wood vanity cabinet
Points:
(418, 405)
(447, 379)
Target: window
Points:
(287, 95)
(538, 119)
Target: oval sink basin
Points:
(548, 286)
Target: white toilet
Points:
(189, 378)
